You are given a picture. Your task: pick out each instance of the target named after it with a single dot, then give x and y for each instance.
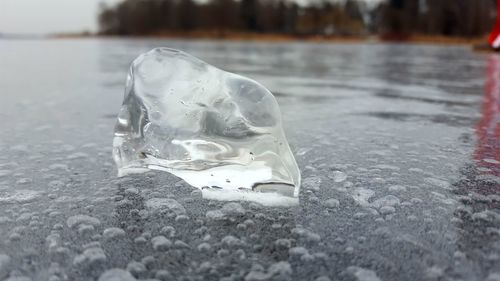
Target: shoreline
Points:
(272, 37)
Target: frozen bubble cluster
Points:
(218, 131)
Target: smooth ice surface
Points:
(214, 129)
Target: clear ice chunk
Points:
(218, 131)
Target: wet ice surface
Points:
(398, 159)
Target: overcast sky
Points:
(52, 16)
(48, 16)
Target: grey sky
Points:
(48, 16)
(52, 16)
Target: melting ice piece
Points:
(218, 131)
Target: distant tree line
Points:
(320, 17)
(466, 18)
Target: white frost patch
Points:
(82, 219)
(438, 182)
(228, 177)
(63, 167)
(19, 196)
(491, 160)
(387, 167)
(233, 209)
(362, 274)
(77, 155)
(131, 170)
(90, 256)
(157, 204)
(278, 271)
(397, 188)
(161, 243)
(312, 183)
(266, 199)
(306, 234)
(379, 152)
(116, 274)
(362, 195)
(339, 176)
(113, 233)
(331, 203)
(389, 200)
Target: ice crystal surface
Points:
(219, 131)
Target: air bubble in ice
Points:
(339, 176)
(218, 131)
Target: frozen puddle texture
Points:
(218, 131)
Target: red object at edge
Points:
(494, 39)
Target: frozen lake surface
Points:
(398, 147)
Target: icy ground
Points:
(399, 166)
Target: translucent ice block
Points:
(219, 131)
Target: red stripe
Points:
(496, 30)
(488, 128)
